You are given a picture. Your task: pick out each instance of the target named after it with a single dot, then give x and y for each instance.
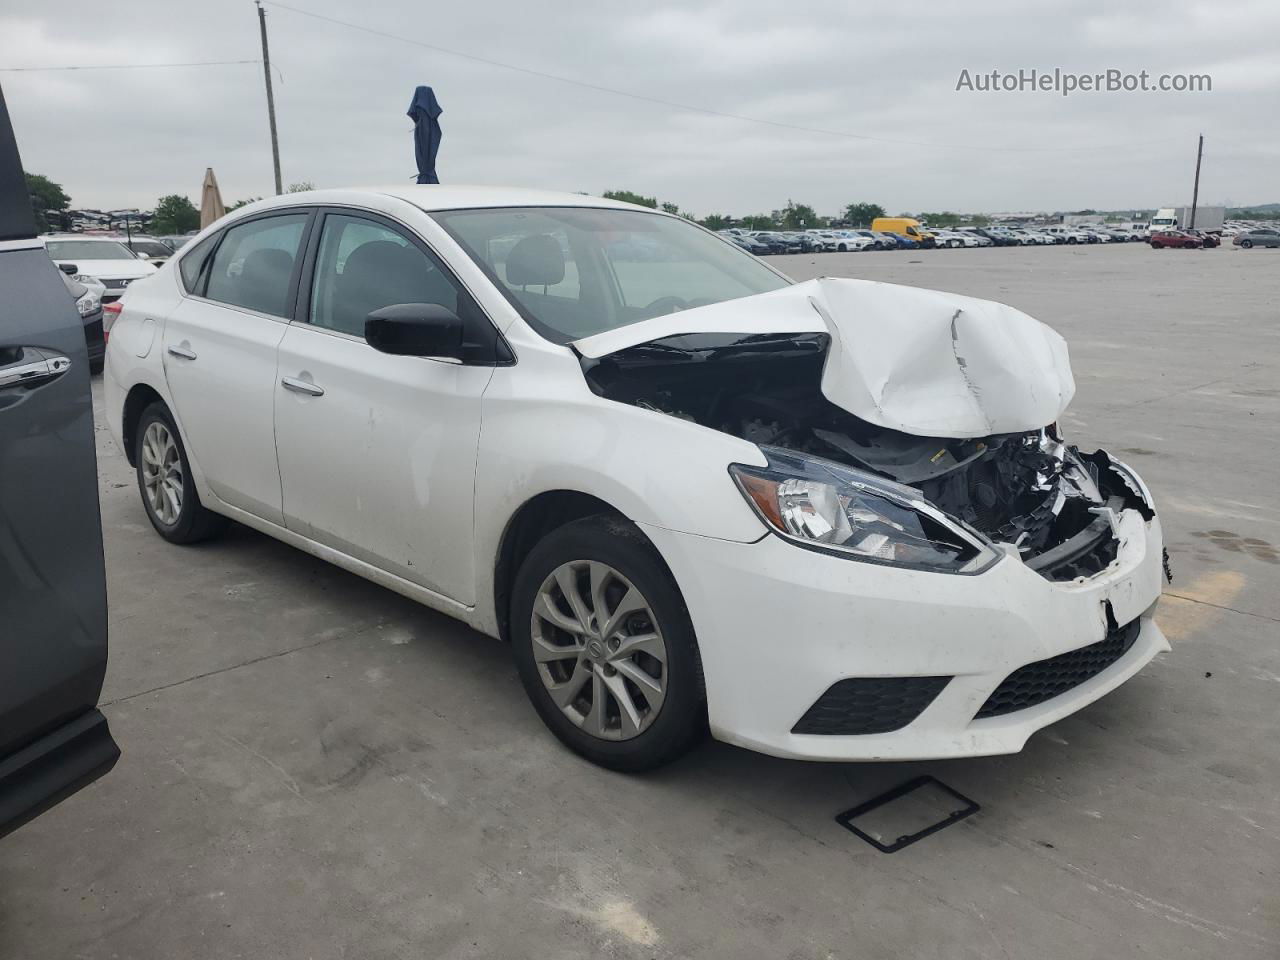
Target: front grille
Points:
(869, 705)
(1045, 679)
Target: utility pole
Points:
(1195, 193)
(271, 100)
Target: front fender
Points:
(544, 430)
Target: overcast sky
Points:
(118, 138)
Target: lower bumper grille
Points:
(1045, 679)
(861, 705)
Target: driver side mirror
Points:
(70, 269)
(415, 330)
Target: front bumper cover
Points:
(777, 626)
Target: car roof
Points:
(430, 197)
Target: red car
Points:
(1174, 238)
(1209, 240)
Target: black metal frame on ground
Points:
(846, 819)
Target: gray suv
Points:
(53, 595)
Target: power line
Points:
(614, 91)
(127, 66)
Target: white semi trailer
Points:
(1208, 219)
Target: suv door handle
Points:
(183, 350)
(32, 367)
(302, 386)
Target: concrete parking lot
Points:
(315, 767)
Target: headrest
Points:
(536, 259)
(383, 272)
(269, 260)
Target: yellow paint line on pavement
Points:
(1182, 617)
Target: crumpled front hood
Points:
(918, 361)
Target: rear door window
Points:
(253, 266)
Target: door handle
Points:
(302, 386)
(31, 367)
(183, 350)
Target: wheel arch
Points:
(140, 396)
(532, 521)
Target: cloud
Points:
(123, 138)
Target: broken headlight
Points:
(830, 507)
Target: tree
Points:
(669, 207)
(944, 219)
(861, 214)
(302, 186)
(759, 221)
(243, 203)
(800, 216)
(174, 214)
(46, 196)
(716, 221)
(626, 196)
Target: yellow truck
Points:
(904, 227)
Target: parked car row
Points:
(898, 233)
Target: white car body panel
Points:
(224, 393)
(412, 459)
(818, 621)
(113, 269)
(382, 465)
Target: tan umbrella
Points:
(211, 207)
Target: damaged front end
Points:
(838, 482)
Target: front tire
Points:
(1246, 244)
(605, 647)
(164, 479)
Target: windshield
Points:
(151, 248)
(88, 250)
(573, 272)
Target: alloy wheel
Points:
(162, 473)
(598, 650)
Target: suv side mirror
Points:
(415, 330)
(70, 269)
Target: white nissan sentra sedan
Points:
(833, 520)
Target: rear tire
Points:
(164, 479)
(610, 564)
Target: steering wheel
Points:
(666, 305)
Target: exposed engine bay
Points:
(1031, 490)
